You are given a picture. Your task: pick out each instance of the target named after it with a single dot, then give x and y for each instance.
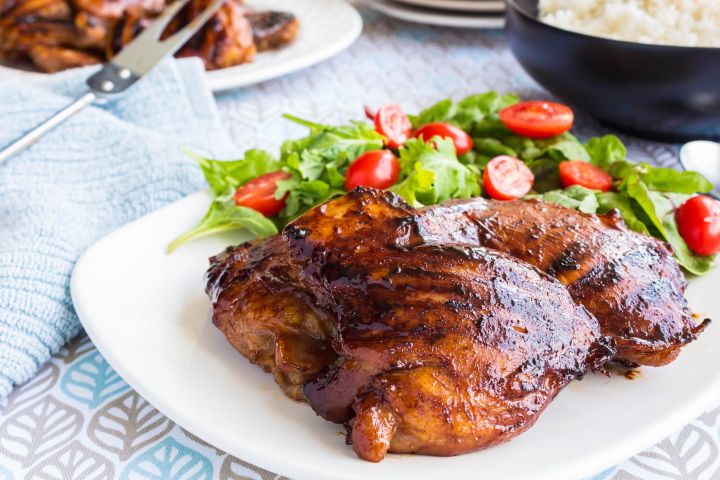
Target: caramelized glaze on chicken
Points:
(433, 349)
(629, 281)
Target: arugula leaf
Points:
(575, 197)
(325, 144)
(224, 177)
(318, 162)
(665, 206)
(418, 179)
(434, 173)
(608, 201)
(661, 179)
(303, 195)
(476, 111)
(657, 211)
(442, 111)
(481, 110)
(605, 151)
(224, 216)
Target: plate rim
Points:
(470, 6)
(613, 455)
(416, 14)
(231, 77)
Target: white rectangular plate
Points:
(148, 315)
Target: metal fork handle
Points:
(34, 135)
(115, 77)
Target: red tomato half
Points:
(377, 169)
(462, 141)
(538, 119)
(507, 178)
(586, 175)
(698, 221)
(259, 194)
(391, 122)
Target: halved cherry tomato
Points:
(462, 141)
(698, 221)
(391, 122)
(538, 118)
(259, 194)
(377, 169)
(507, 178)
(585, 174)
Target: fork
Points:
(127, 67)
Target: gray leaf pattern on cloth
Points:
(127, 424)
(235, 469)
(38, 429)
(687, 455)
(46, 378)
(73, 462)
(200, 441)
(77, 347)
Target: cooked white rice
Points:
(692, 23)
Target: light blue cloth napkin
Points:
(105, 167)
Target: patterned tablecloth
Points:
(79, 420)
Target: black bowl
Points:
(653, 91)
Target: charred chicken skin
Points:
(629, 281)
(431, 349)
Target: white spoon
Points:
(703, 156)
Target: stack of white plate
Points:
(447, 13)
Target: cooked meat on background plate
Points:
(59, 34)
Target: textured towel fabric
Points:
(103, 168)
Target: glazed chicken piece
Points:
(225, 40)
(437, 350)
(273, 30)
(114, 9)
(629, 281)
(260, 308)
(54, 59)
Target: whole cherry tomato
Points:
(698, 221)
(377, 169)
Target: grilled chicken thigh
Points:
(431, 349)
(629, 281)
(261, 308)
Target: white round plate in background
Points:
(326, 28)
(148, 315)
(437, 17)
(461, 5)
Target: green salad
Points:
(488, 144)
